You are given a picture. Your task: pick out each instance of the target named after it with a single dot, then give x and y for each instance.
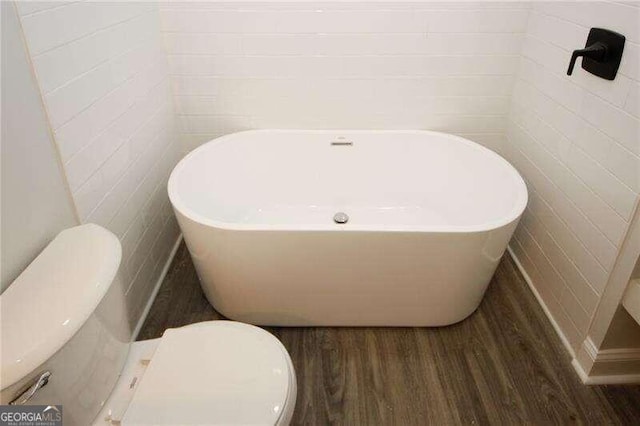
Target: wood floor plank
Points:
(503, 365)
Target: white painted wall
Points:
(102, 72)
(35, 203)
(443, 66)
(576, 140)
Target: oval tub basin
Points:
(429, 216)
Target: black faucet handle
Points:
(597, 51)
(602, 54)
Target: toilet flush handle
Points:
(25, 396)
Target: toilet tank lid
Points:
(49, 302)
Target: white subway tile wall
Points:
(103, 74)
(495, 72)
(576, 141)
(445, 66)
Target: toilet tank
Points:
(66, 315)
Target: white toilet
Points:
(66, 341)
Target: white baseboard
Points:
(156, 288)
(529, 282)
(613, 379)
(603, 357)
(594, 354)
(584, 378)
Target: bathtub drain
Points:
(340, 218)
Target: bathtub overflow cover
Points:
(340, 217)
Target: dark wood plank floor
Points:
(502, 365)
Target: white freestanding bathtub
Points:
(429, 217)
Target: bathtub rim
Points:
(178, 204)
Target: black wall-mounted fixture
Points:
(601, 55)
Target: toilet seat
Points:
(215, 372)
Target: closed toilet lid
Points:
(215, 372)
